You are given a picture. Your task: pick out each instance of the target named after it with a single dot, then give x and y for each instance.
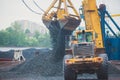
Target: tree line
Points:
(14, 36)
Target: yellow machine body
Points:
(92, 21)
(92, 24)
(84, 60)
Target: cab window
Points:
(87, 37)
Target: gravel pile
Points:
(43, 67)
(42, 64)
(8, 54)
(112, 69)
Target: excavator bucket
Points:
(64, 12)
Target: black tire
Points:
(69, 74)
(68, 56)
(102, 73)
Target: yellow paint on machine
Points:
(92, 21)
(74, 60)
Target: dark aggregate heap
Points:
(41, 64)
(42, 67)
(8, 54)
(27, 53)
(112, 69)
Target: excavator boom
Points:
(92, 21)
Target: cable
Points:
(30, 8)
(38, 6)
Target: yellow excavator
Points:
(85, 52)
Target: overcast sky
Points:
(11, 10)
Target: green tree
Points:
(32, 42)
(27, 32)
(44, 40)
(4, 38)
(37, 34)
(16, 35)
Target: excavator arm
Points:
(92, 21)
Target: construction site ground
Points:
(40, 67)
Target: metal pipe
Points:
(113, 20)
(111, 29)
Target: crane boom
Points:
(92, 20)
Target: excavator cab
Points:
(82, 44)
(84, 37)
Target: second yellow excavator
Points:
(85, 52)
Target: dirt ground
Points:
(17, 76)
